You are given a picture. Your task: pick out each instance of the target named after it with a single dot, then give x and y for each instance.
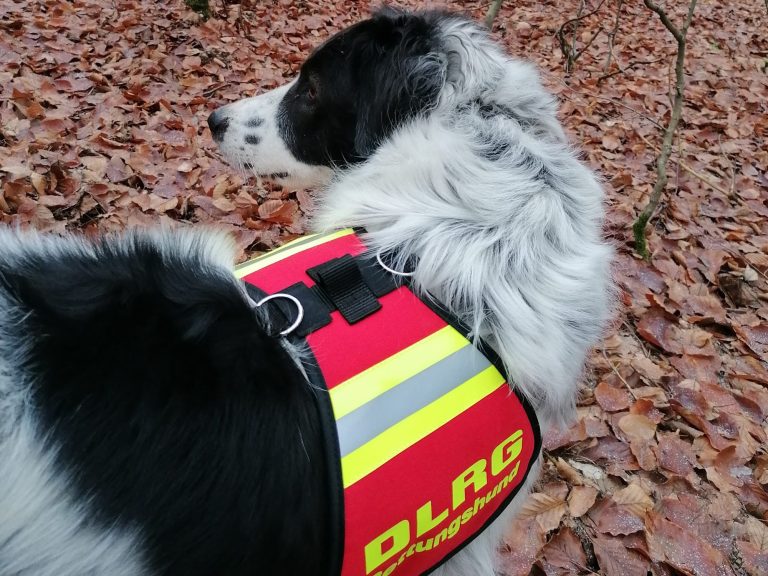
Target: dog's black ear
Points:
(402, 76)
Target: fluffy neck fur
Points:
(503, 219)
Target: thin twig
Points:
(625, 69)
(615, 101)
(570, 52)
(679, 34)
(677, 111)
(688, 169)
(573, 52)
(732, 191)
(213, 89)
(612, 37)
(589, 42)
(616, 371)
(683, 427)
(567, 50)
(582, 17)
(679, 155)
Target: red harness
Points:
(429, 440)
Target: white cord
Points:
(391, 270)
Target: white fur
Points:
(513, 246)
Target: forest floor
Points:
(102, 127)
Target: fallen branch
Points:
(638, 227)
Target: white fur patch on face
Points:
(252, 142)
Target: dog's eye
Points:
(311, 93)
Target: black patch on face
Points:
(252, 139)
(360, 85)
(173, 412)
(254, 122)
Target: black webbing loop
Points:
(342, 283)
(376, 278)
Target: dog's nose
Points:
(218, 123)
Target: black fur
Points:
(361, 84)
(174, 412)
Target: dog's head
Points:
(350, 94)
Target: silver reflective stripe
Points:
(408, 397)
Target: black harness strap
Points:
(342, 282)
(350, 284)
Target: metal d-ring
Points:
(388, 269)
(299, 307)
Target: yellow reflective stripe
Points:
(418, 425)
(299, 240)
(287, 250)
(368, 384)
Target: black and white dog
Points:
(150, 426)
(420, 129)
